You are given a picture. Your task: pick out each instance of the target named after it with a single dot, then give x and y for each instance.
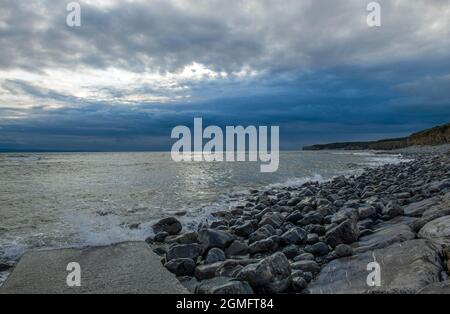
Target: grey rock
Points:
(206, 271)
(181, 266)
(437, 230)
(192, 251)
(436, 288)
(161, 236)
(171, 225)
(319, 249)
(311, 218)
(345, 233)
(271, 275)
(263, 246)
(343, 250)
(294, 235)
(406, 268)
(294, 216)
(215, 255)
(306, 266)
(304, 257)
(210, 238)
(416, 209)
(262, 233)
(299, 284)
(236, 248)
(185, 238)
(393, 209)
(244, 230)
(290, 251)
(273, 219)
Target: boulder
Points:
(294, 216)
(311, 218)
(345, 233)
(171, 225)
(405, 268)
(263, 246)
(343, 250)
(306, 266)
(318, 249)
(244, 230)
(236, 248)
(160, 236)
(192, 251)
(392, 209)
(210, 238)
(299, 284)
(181, 266)
(206, 271)
(271, 275)
(273, 219)
(294, 235)
(215, 255)
(185, 238)
(223, 285)
(262, 233)
(437, 230)
(416, 209)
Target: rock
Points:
(185, 238)
(345, 233)
(318, 249)
(207, 286)
(299, 284)
(206, 271)
(236, 248)
(189, 283)
(181, 266)
(436, 288)
(294, 235)
(161, 251)
(262, 233)
(215, 255)
(171, 225)
(293, 201)
(294, 216)
(290, 251)
(210, 238)
(392, 209)
(405, 268)
(367, 211)
(343, 250)
(311, 218)
(229, 269)
(384, 237)
(244, 230)
(6, 265)
(218, 223)
(271, 275)
(306, 266)
(273, 219)
(161, 236)
(192, 251)
(312, 238)
(304, 257)
(263, 246)
(418, 208)
(437, 230)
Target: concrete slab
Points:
(129, 267)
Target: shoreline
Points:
(265, 234)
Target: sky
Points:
(133, 70)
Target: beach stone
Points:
(294, 216)
(345, 233)
(366, 212)
(192, 251)
(290, 251)
(215, 255)
(312, 238)
(304, 257)
(206, 271)
(161, 251)
(437, 230)
(299, 284)
(262, 233)
(311, 218)
(211, 238)
(236, 248)
(393, 209)
(263, 246)
(295, 235)
(233, 287)
(6, 265)
(318, 249)
(161, 236)
(271, 275)
(244, 230)
(405, 268)
(171, 225)
(218, 223)
(273, 219)
(343, 250)
(185, 238)
(293, 201)
(229, 269)
(181, 266)
(384, 237)
(416, 209)
(306, 266)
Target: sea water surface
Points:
(54, 200)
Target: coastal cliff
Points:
(434, 136)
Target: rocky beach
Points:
(322, 237)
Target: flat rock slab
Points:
(384, 237)
(129, 267)
(437, 230)
(405, 268)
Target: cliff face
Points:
(434, 136)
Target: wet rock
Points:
(306, 266)
(206, 271)
(263, 246)
(271, 275)
(318, 249)
(367, 211)
(418, 208)
(262, 233)
(311, 218)
(215, 255)
(299, 284)
(181, 266)
(273, 219)
(210, 238)
(218, 223)
(294, 216)
(161, 236)
(222, 285)
(343, 250)
(171, 225)
(244, 230)
(406, 268)
(185, 238)
(229, 269)
(304, 257)
(392, 209)
(161, 251)
(384, 237)
(236, 248)
(294, 235)
(345, 233)
(312, 238)
(188, 282)
(192, 251)
(437, 230)
(290, 251)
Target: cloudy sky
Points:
(135, 69)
